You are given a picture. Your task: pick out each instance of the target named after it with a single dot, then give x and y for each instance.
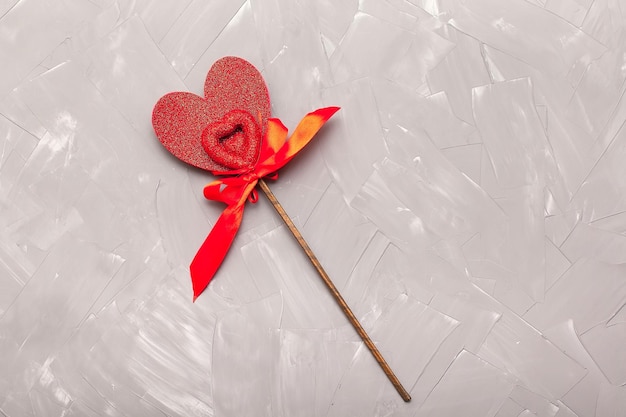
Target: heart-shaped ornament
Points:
(221, 131)
(233, 141)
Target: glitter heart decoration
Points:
(229, 132)
(181, 119)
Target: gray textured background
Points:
(468, 200)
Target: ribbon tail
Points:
(213, 251)
(307, 128)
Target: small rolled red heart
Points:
(233, 141)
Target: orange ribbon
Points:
(276, 151)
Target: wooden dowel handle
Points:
(335, 292)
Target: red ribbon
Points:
(276, 151)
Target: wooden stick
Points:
(342, 303)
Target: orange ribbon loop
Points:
(276, 151)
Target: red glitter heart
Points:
(179, 119)
(233, 141)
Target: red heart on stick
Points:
(182, 120)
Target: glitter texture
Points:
(179, 119)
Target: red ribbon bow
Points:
(276, 151)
